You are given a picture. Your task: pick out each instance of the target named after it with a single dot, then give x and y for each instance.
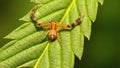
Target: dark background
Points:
(101, 51)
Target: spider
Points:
(52, 26)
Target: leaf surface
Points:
(31, 47)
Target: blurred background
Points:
(101, 51)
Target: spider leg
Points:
(33, 18)
(44, 36)
(58, 38)
(76, 22)
(70, 26)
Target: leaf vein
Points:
(67, 11)
(39, 59)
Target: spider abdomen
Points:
(52, 34)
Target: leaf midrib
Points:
(67, 11)
(43, 53)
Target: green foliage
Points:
(27, 48)
(101, 2)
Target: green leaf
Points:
(7, 45)
(31, 47)
(22, 31)
(101, 2)
(26, 55)
(92, 12)
(41, 1)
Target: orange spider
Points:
(52, 26)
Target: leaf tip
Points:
(8, 37)
(101, 2)
(88, 37)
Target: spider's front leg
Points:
(33, 18)
(32, 15)
(70, 26)
(75, 23)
